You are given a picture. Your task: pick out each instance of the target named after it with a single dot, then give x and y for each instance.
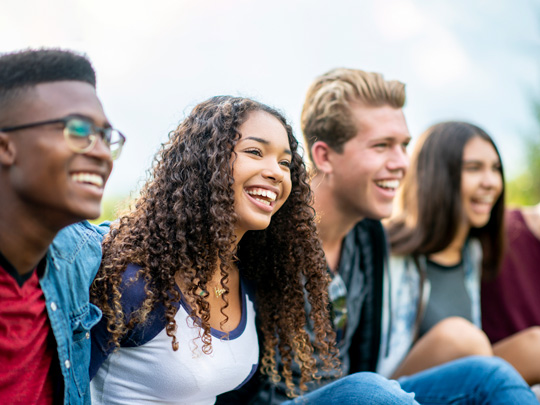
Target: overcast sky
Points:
(474, 60)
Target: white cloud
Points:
(399, 20)
(441, 59)
(156, 59)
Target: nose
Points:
(274, 172)
(399, 159)
(491, 178)
(101, 150)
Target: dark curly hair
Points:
(183, 224)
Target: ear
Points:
(7, 150)
(320, 152)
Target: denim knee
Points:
(475, 379)
(369, 380)
(497, 369)
(359, 388)
(372, 388)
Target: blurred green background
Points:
(524, 189)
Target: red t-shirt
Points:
(27, 348)
(511, 302)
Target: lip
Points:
(481, 207)
(485, 199)
(262, 206)
(266, 187)
(102, 170)
(387, 192)
(93, 188)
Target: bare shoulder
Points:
(531, 215)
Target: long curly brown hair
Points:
(183, 224)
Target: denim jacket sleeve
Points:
(472, 260)
(72, 263)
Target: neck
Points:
(333, 224)
(24, 236)
(451, 255)
(233, 276)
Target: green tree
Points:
(524, 189)
(111, 207)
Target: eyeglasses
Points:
(81, 134)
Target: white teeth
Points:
(263, 201)
(391, 184)
(263, 193)
(90, 178)
(485, 200)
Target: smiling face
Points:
(261, 170)
(481, 181)
(368, 172)
(47, 176)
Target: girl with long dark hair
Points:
(447, 234)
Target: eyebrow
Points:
(391, 138)
(107, 124)
(479, 161)
(265, 142)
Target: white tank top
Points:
(155, 374)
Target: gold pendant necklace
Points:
(218, 292)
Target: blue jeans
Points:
(472, 380)
(359, 388)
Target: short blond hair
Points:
(326, 115)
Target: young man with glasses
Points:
(356, 135)
(56, 153)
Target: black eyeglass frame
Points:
(105, 133)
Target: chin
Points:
(90, 214)
(260, 225)
(380, 214)
(253, 225)
(480, 224)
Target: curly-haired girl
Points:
(224, 221)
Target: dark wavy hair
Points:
(183, 222)
(430, 207)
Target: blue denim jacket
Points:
(72, 262)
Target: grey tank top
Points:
(448, 296)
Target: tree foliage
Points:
(524, 189)
(111, 207)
